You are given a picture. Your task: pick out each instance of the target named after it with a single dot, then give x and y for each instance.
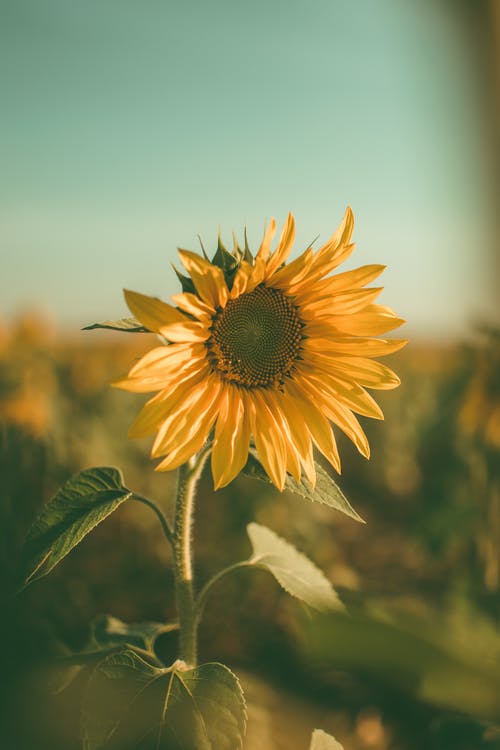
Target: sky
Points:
(130, 128)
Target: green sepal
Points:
(186, 282)
(247, 255)
(203, 248)
(237, 251)
(126, 325)
(225, 260)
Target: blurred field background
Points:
(127, 131)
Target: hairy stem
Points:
(189, 475)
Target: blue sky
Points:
(128, 128)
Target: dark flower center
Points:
(255, 339)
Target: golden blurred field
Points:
(417, 663)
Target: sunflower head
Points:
(256, 338)
(264, 352)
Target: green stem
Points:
(161, 517)
(201, 599)
(189, 475)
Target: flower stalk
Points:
(189, 474)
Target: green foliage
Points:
(107, 630)
(108, 635)
(82, 502)
(293, 571)
(326, 491)
(128, 325)
(322, 741)
(417, 656)
(131, 704)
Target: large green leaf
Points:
(325, 492)
(107, 630)
(293, 571)
(128, 325)
(82, 502)
(322, 741)
(132, 705)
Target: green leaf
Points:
(129, 703)
(326, 491)
(322, 741)
(129, 325)
(293, 570)
(82, 502)
(107, 630)
(59, 675)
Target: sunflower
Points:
(265, 354)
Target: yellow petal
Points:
(269, 440)
(341, 416)
(184, 422)
(294, 272)
(178, 413)
(371, 321)
(321, 267)
(309, 467)
(195, 443)
(346, 391)
(208, 279)
(265, 247)
(339, 238)
(345, 419)
(232, 439)
(166, 358)
(318, 425)
(297, 425)
(152, 312)
(284, 247)
(281, 417)
(156, 411)
(161, 379)
(292, 461)
(367, 372)
(241, 278)
(354, 346)
(355, 279)
(342, 303)
(189, 331)
(221, 450)
(193, 305)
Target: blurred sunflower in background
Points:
(480, 411)
(263, 352)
